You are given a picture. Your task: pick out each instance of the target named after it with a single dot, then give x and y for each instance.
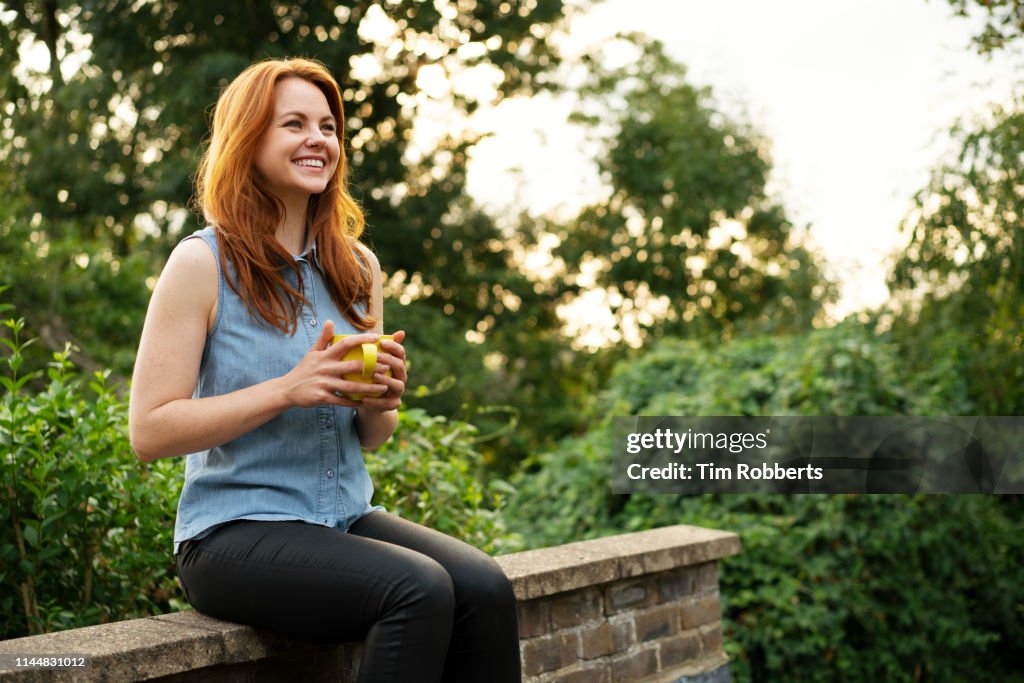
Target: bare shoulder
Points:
(193, 256)
(189, 281)
(192, 261)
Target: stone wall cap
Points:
(546, 571)
(150, 647)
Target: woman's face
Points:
(299, 150)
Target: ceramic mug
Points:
(367, 353)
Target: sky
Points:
(856, 97)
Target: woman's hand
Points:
(318, 378)
(392, 356)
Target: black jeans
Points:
(429, 607)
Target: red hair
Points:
(245, 214)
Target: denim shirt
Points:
(305, 464)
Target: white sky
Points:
(855, 95)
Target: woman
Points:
(236, 369)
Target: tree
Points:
(1004, 21)
(104, 137)
(960, 283)
(105, 134)
(688, 242)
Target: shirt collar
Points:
(315, 254)
(312, 255)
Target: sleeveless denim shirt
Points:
(305, 464)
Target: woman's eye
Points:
(293, 124)
(329, 127)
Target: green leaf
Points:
(31, 534)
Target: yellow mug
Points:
(367, 353)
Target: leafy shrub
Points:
(86, 530)
(841, 370)
(863, 588)
(562, 495)
(857, 588)
(432, 474)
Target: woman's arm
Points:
(376, 418)
(164, 420)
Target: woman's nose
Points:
(316, 138)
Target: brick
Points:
(712, 638)
(534, 618)
(551, 652)
(598, 640)
(679, 649)
(573, 609)
(605, 639)
(706, 576)
(701, 611)
(634, 666)
(595, 674)
(677, 584)
(656, 622)
(629, 595)
(625, 631)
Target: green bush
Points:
(863, 588)
(841, 370)
(86, 530)
(562, 495)
(432, 473)
(826, 588)
(844, 370)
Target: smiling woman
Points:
(239, 369)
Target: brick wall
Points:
(625, 630)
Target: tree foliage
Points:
(1004, 21)
(99, 143)
(118, 134)
(688, 243)
(105, 138)
(960, 282)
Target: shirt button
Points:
(330, 474)
(312, 322)
(329, 423)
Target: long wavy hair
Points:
(245, 214)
